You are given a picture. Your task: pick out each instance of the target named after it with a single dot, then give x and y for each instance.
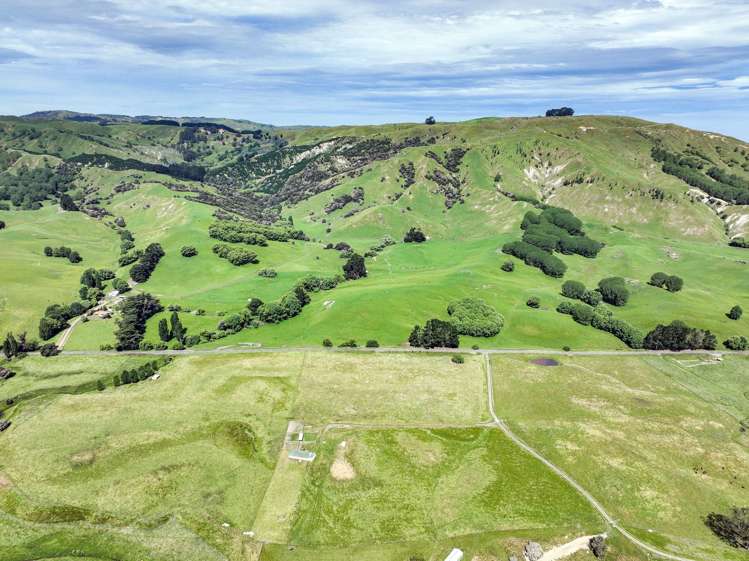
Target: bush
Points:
(573, 289)
(736, 343)
(235, 255)
(49, 349)
(188, 251)
(735, 313)
(677, 336)
(613, 291)
(658, 279)
(349, 344)
(598, 546)
(327, 343)
(602, 319)
(354, 268)
(535, 257)
(508, 266)
(267, 273)
(473, 316)
(674, 283)
(414, 235)
(435, 333)
(533, 302)
(120, 285)
(372, 344)
(733, 528)
(458, 359)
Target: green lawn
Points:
(656, 440)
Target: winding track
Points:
(561, 473)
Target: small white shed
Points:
(455, 555)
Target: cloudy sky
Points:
(362, 61)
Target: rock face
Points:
(533, 551)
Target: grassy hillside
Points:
(466, 185)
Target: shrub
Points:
(458, 359)
(267, 273)
(473, 316)
(736, 343)
(49, 349)
(235, 255)
(573, 289)
(508, 266)
(372, 344)
(354, 268)
(188, 251)
(677, 336)
(566, 348)
(592, 298)
(598, 546)
(735, 313)
(327, 343)
(535, 257)
(120, 285)
(613, 291)
(533, 302)
(733, 528)
(435, 333)
(414, 235)
(674, 283)
(658, 279)
(349, 344)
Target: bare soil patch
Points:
(341, 469)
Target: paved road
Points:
(561, 473)
(249, 349)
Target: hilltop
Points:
(641, 198)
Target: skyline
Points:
(334, 62)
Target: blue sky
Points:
(346, 61)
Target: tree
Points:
(2, 225)
(658, 279)
(674, 283)
(66, 203)
(164, 333)
(733, 528)
(10, 346)
(49, 349)
(598, 546)
(508, 266)
(533, 302)
(735, 313)
(90, 278)
(120, 285)
(414, 235)
(736, 343)
(372, 344)
(573, 289)
(327, 343)
(100, 385)
(473, 316)
(75, 257)
(48, 251)
(430, 120)
(354, 268)
(131, 326)
(678, 336)
(177, 330)
(613, 291)
(435, 333)
(561, 112)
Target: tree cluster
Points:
(613, 291)
(354, 268)
(557, 229)
(235, 255)
(141, 271)
(356, 196)
(252, 233)
(576, 290)
(56, 318)
(732, 528)
(63, 251)
(536, 257)
(177, 170)
(603, 319)
(13, 347)
(473, 316)
(678, 336)
(435, 334)
(134, 313)
(414, 235)
(561, 112)
(29, 187)
(143, 372)
(672, 283)
(188, 251)
(736, 343)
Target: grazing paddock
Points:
(659, 444)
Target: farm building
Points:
(302, 455)
(455, 555)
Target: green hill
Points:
(650, 194)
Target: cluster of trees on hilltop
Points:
(561, 112)
(177, 170)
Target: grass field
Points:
(656, 440)
(184, 467)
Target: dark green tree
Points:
(354, 268)
(164, 333)
(573, 289)
(613, 291)
(66, 203)
(177, 329)
(735, 313)
(674, 283)
(10, 346)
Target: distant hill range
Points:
(107, 119)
